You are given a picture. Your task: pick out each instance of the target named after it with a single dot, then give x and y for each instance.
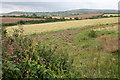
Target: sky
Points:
(55, 5)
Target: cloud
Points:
(104, 1)
(42, 1)
(39, 6)
(15, 6)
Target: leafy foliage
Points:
(25, 59)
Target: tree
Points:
(76, 18)
(21, 22)
(43, 17)
(34, 15)
(111, 15)
(49, 17)
(70, 18)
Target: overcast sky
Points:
(56, 5)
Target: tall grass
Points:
(95, 54)
(26, 59)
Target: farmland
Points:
(69, 49)
(14, 19)
(85, 15)
(110, 15)
(59, 40)
(38, 28)
(89, 47)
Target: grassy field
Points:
(69, 49)
(94, 49)
(38, 28)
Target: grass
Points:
(55, 26)
(93, 48)
(90, 53)
(25, 59)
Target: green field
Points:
(95, 53)
(69, 49)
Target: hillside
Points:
(66, 13)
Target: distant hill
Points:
(67, 13)
(85, 11)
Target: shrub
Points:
(92, 34)
(25, 59)
(21, 22)
(9, 24)
(76, 18)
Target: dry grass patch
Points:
(109, 44)
(54, 26)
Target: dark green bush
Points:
(76, 18)
(21, 22)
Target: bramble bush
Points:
(24, 58)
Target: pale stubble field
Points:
(54, 26)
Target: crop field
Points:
(85, 15)
(110, 15)
(14, 19)
(54, 26)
